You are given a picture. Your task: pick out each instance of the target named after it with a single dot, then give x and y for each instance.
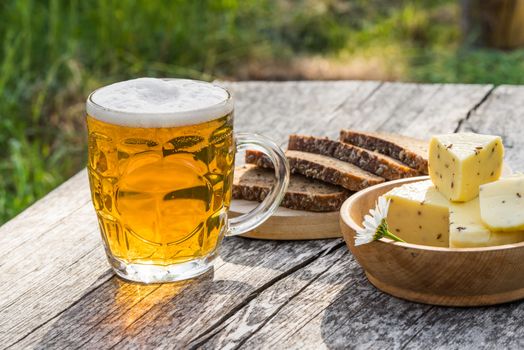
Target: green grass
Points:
(53, 53)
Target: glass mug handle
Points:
(249, 221)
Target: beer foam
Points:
(153, 102)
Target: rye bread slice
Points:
(374, 162)
(320, 167)
(253, 184)
(411, 151)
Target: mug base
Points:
(150, 274)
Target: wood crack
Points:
(127, 327)
(80, 346)
(375, 295)
(342, 245)
(475, 107)
(419, 111)
(52, 227)
(221, 323)
(360, 104)
(27, 292)
(403, 346)
(378, 294)
(108, 272)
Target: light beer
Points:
(161, 160)
(161, 193)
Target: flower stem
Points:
(393, 237)
(383, 231)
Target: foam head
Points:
(152, 102)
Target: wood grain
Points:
(259, 312)
(289, 224)
(54, 268)
(502, 113)
(277, 109)
(32, 223)
(262, 294)
(340, 310)
(145, 316)
(417, 110)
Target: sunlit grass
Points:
(54, 52)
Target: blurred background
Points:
(54, 52)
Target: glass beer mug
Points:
(161, 162)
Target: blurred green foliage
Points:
(53, 52)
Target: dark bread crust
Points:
(413, 152)
(322, 168)
(374, 162)
(252, 183)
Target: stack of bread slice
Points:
(326, 172)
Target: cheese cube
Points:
(419, 214)
(502, 204)
(460, 163)
(467, 230)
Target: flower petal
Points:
(378, 220)
(363, 240)
(374, 223)
(369, 221)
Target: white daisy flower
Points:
(375, 225)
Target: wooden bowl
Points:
(433, 275)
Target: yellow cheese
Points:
(460, 163)
(467, 230)
(502, 204)
(419, 214)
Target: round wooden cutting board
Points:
(289, 224)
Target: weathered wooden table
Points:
(57, 291)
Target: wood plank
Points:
(417, 110)
(253, 318)
(277, 109)
(497, 327)
(124, 314)
(341, 308)
(43, 215)
(502, 114)
(241, 282)
(56, 268)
